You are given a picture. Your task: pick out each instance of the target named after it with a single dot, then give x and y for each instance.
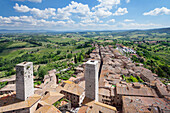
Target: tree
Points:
(42, 71)
(75, 59)
(69, 55)
(57, 76)
(160, 72)
(58, 52)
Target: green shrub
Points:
(139, 79)
(3, 84)
(123, 76)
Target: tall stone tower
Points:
(91, 79)
(24, 80)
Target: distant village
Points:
(100, 86)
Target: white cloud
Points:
(102, 13)
(37, 1)
(158, 11)
(137, 25)
(80, 9)
(71, 22)
(127, 1)
(46, 13)
(128, 20)
(13, 20)
(29, 22)
(21, 8)
(111, 21)
(91, 20)
(120, 11)
(76, 16)
(103, 9)
(107, 4)
(62, 16)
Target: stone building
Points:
(98, 107)
(128, 89)
(48, 109)
(25, 101)
(106, 96)
(91, 78)
(27, 106)
(90, 106)
(10, 80)
(8, 89)
(147, 76)
(24, 80)
(144, 105)
(161, 89)
(74, 93)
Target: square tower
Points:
(24, 80)
(91, 79)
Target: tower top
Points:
(92, 62)
(24, 63)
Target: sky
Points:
(76, 15)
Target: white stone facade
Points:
(91, 80)
(24, 80)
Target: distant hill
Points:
(159, 30)
(24, 31)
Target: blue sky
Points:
(63, 15)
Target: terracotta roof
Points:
(106, 106)
(87, 101)
(58, 88)
(83, 109)
(72, 79)
(127, 89)
(73, 88)
(42, 103)
(48, 109)
(97, 106)
(12, 78)
(162, 89)
(23, 104)
(104, 91)
(82, 84)
(9, 87)
(141, 104)
(52, 97)
(148, 74)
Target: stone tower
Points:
(91, 79)
(24, 80)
